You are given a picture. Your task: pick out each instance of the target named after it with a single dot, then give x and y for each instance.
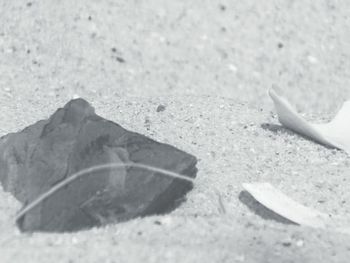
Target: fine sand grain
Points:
(209, 63)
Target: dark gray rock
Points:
(72, 139)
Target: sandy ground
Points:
(210, 63)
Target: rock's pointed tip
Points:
(79, 101)
(79, 104)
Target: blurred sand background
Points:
(210, 63)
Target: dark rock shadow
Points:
(260, 210)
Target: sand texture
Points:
(210, 64)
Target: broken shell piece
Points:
(284, 206)
(279, 203)
(335, 133)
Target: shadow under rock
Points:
(260, 210)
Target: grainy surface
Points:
(209, 63)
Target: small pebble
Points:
(147, 123)
(240, 258)
(161, 108)
(232, 67)
(312, 59)
(75, 240)
(166, 220)
(300, 243)
(222, 8)
(287, 243)
(120, 59)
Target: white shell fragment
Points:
(284, 206)
(335, 133)
(279, 203)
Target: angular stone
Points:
(75, 138)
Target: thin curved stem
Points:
(81, 173)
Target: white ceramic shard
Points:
(284, 206)
(279, 203)
(335, 133)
